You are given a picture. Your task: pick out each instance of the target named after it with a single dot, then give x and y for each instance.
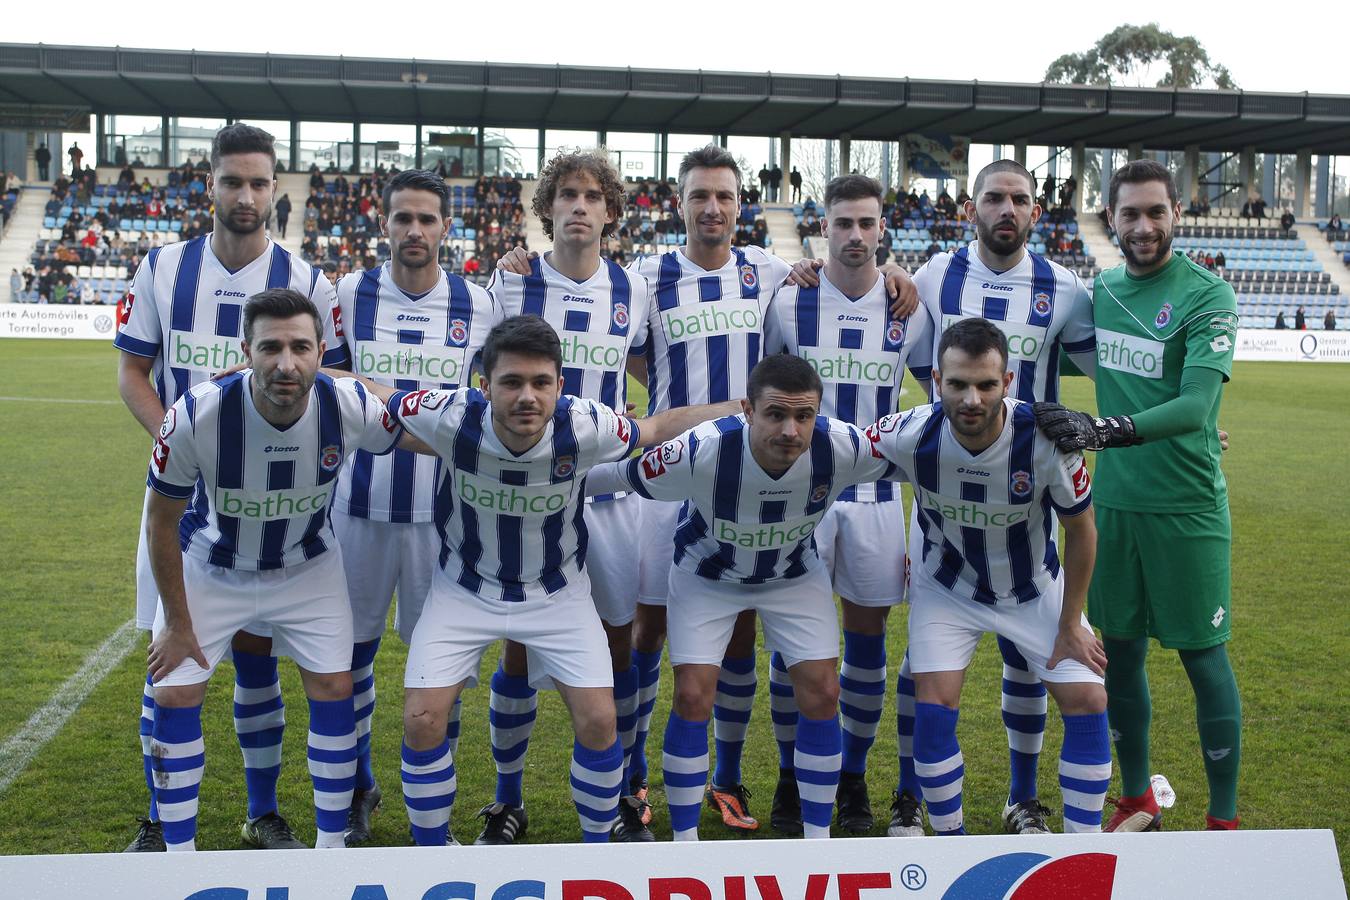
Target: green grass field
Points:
(70, 493)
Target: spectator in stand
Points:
(809, 226)
(1220, 261)
(1066, 192)
(15, 286)
(1287, 220)
(775, 182)
(795, 179)
(471, 266)
(1329, 321)
(1300, 320)
(43, 157)
(76, 159)
(1280, 323)
(1334, 227)
(1199, 204)
(933, 250)
(764, 182)
(283, 214)
(1254, 208)
(1048, 192)
(883, 250)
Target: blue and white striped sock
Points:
(648, 666)
(179, 756)
(452, 726)
(904, 730)
(429, 792)
(625, 713)
(259, 723)
(736, 685)
(940, 766)
(363, 700)
(783, 711)
(332, 767)
(513, 705)
(1024, 706)
(684, 759)
(597, 776)
(1084, 771)
(147, 729)
(862, 693)
(817, 760)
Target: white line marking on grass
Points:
(18, 751)
(61, 400)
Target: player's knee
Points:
(1086, 700)
(596, 729)
(328, 685)
(245, 642)
(870, 620)
(818, 698)
(514, 659)
(649, 628)
(179, 696)
(693, 701)
(423, 727)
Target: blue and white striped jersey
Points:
(260, 494)
(986, 520)
(707, 327)
(859, 350)
(1040, 305)
(740, 524)
(185, 311)
(512, 526)
(599, 321)
(410, 343)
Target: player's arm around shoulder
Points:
(663, 472)
(428, 418)
(665, 425)
(366, 417)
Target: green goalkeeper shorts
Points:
(1163, 575)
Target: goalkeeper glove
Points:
(1074, 432)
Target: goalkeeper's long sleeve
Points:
(1187, 412)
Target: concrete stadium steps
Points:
(1329, 259)
(22, 233)
(1096, 242)
(783, 229)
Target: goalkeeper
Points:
(1165, 334)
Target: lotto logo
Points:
(124, 309)
(337, 322)
(1035, 876)
(411, 403)
(1221, 344)
(624, 429)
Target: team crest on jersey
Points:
(1164, 316)
(895, 332)
(564, 466)
(820, 492)
(170, 422)
(459, 332)
(1042, 304)
(621, 315)
(748, 276)
(434, 399)
(330, 458)
(1020, 483)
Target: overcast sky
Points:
(958, 41)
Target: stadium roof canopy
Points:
(121, 81)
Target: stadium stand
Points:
(341, 222)
(1271, 269)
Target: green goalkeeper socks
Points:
(1218, 713)
(1129, 711)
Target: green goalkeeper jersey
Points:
(1148, 330)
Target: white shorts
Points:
(656, 549)
(799, 617)
(304, 606)
(147, 592)
(380, 557)
(863, 547)
(611, 564)
(564, 640)
(945, 628)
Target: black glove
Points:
(1074, 432)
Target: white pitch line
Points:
(42, 726)
(60, 400)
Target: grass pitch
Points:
(70, 492)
